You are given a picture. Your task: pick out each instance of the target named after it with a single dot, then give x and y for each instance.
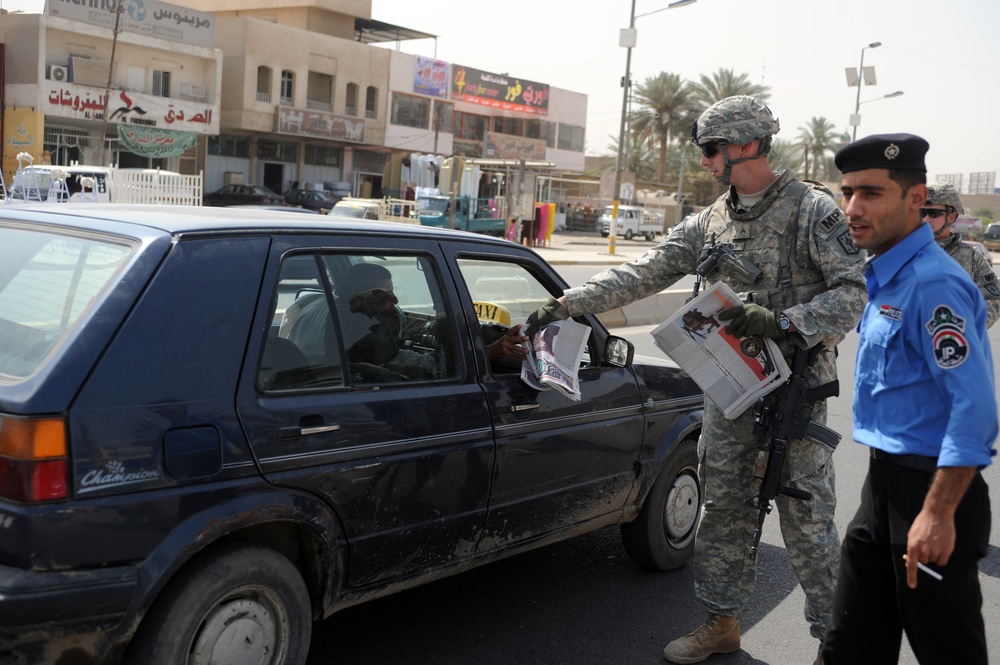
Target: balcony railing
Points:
(370, 114)
(286, 101)
(313, 105)
(264, 97)
(351, 110)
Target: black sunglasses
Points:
(933, 213)
(710, 150)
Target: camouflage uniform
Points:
(798, 237)
(945, 194)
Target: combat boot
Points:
(719, 634)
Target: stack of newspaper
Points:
(554, 355)
(732, 371)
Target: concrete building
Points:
(61, 92)
(294, 93)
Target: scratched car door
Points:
(559, 462)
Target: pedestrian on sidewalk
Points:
(789, 251)
(923, 403)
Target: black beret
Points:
(883, 151)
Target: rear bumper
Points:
(36, 604)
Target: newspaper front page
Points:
(732, 371)
(554, 355)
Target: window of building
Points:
(323, 155)
(319, 92)
(264, 84)
(351, 103)
(570, 138)
(547, 131)
(469, 126)
(443, 116)
(533, 129)
(227, 145)
(161, 83)
(410, 111)
(278, 151)
(371, 102)
(513, 126)
(287, 87)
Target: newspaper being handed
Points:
(732, 371)
(554, 355)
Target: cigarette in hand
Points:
(933, 573)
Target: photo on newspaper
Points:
(732, 371)
(554, 355)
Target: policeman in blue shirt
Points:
(924, 404)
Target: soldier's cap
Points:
(904, 152)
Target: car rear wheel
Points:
(662, 537)
(243, 603)
(628, 234)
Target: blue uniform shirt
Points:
(923, 379)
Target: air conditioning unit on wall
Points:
(58, 73)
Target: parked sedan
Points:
(318, 200)
(232, 195)
(219, 425)
(981, 248)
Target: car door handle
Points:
(296, 431)
(515, 408)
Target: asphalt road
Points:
(583, 602)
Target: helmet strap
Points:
(730, 163)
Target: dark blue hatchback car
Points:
(219, 425)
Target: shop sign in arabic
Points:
(505, 146)
(68, 100)
(498, 91)
(151, 18)
(318, 124)
(156, 142)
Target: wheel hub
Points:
(681, 508)
(238, 631)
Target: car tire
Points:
(242, 603)
(650, 237)
(662, 537)
(628, 234)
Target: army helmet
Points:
(944, 194)
(738, 120)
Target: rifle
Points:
(787, 414)
(712, 254)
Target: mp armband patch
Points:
(947, 336)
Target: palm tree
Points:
(663, 109)
(724, 83)
(817, 139)
(638, 158)
(784, 155)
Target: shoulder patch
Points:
(831, 221)
(991, 285)
(946, 330)
(846, 243)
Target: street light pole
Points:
(861, 77)
(627, 39)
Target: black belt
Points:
(917, 462)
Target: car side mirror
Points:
(618, 351)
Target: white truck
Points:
(384, 210)
(632, 221)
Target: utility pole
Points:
(119, 8)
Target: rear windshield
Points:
(48, 280)
(993, 231)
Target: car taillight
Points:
(33, 464)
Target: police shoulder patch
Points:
(946, 330)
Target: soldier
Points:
(803, 286)
(942, 208)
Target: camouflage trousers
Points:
(724, 568)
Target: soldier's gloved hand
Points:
(752, 320)
(551, 311)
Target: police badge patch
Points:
(946, 330)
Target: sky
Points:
(944, 56)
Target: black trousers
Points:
(872, 606)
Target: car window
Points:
(354, 319)
(504, 293)
(47, 282)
